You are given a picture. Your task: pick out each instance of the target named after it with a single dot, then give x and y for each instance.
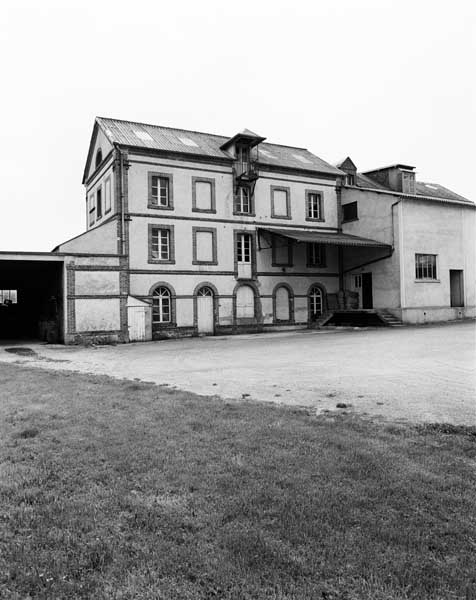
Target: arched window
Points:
(315, 302)
(98, 157)
(282, 306)
(205, 291)
(245, 302)
(161, 306)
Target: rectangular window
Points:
(282, 252)
(350, 179)
(160, 191)
(280, 205)
(243, 248)
(161, 244)
(204, 246)
(107, 195)
(243, 201)
(358, 281)
(8, 297)
(349, 212)
(91, 209)
(425, 266)
(99, 203)
(316, 255)
(314, 206)
(203, 195)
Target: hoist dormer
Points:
(240, 147)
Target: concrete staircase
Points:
(390, 319)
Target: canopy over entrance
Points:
(324, 237)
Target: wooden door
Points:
(367, 294)
(205, 320)
(456, 287)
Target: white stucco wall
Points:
(97, 314)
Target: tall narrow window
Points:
(243, 159)
(425, 266)
(243, 249)
(280, 203)
(243, 201)
(91, 209)
(314, 206)
(107, 195)
(316, 255)
(161, 306)
(99, 202)
(315, 303)
(160, 191)
(203, 195)
(98, 158)
(161, 244)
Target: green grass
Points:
(121, 490)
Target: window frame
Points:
(251, 212)
(287, 190)
(211, 181)
(107, 184)
(310, 262)
(91, 208)
(163, 325)
(252, 234)
(162, 261)
(153, 202)
(99, 212)
(211, 230)
(7, 295)
(310, 299)
(354, 218)
(274, 261)
(320, 196)
(433, 267)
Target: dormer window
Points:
(350, 179)
(98, 157)
(243, 159)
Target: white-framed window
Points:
(160, 244)
(315, 302)
(8, 297)
(425, 267)
(161, 306)
(314, 206)
(243, 248)
(243, 201)
(107, 195)
(160, 190)
(316, 255)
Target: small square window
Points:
(349, 212)
(425, 267)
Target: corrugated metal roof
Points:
(334, 239)
(155, 137)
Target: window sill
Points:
(427, 281)
(157, 261)
(309, 266)
(156, 207)
(315, 220)
(350, 220)
(240, 214)
(281, 217)
(210, 211)
(205, 262)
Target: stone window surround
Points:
(321, 218)
(287, 190)
(211, 181)
(171, 259)
(274, 244)
(252, 233)
(173, 308)
(323, 263)
(252, 212)
(213, 231)
(150, 200)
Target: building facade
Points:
(189, 233)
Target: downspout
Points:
(123, 219)
(400, 253)
(340, 252)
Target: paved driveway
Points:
(417, 373)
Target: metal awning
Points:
(324, 237)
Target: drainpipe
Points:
(121, 195)
(340, 251)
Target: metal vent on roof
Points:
(188, 142)
(302, 159)
(143, 135)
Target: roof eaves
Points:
(412, 196)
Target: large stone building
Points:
(191, 233)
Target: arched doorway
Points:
(245, 302)
(282, 306)
(315, 303)
(205, 312)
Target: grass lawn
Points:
(122, 490)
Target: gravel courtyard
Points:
(412, 373)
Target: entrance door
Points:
(367, 296)
(456, 287)
(205, 311)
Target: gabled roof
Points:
(156, 137)
(346, 163)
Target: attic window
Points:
(143, 135)
(98, 157)
(188, 142)
(302, 159)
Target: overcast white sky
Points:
(380, 80)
